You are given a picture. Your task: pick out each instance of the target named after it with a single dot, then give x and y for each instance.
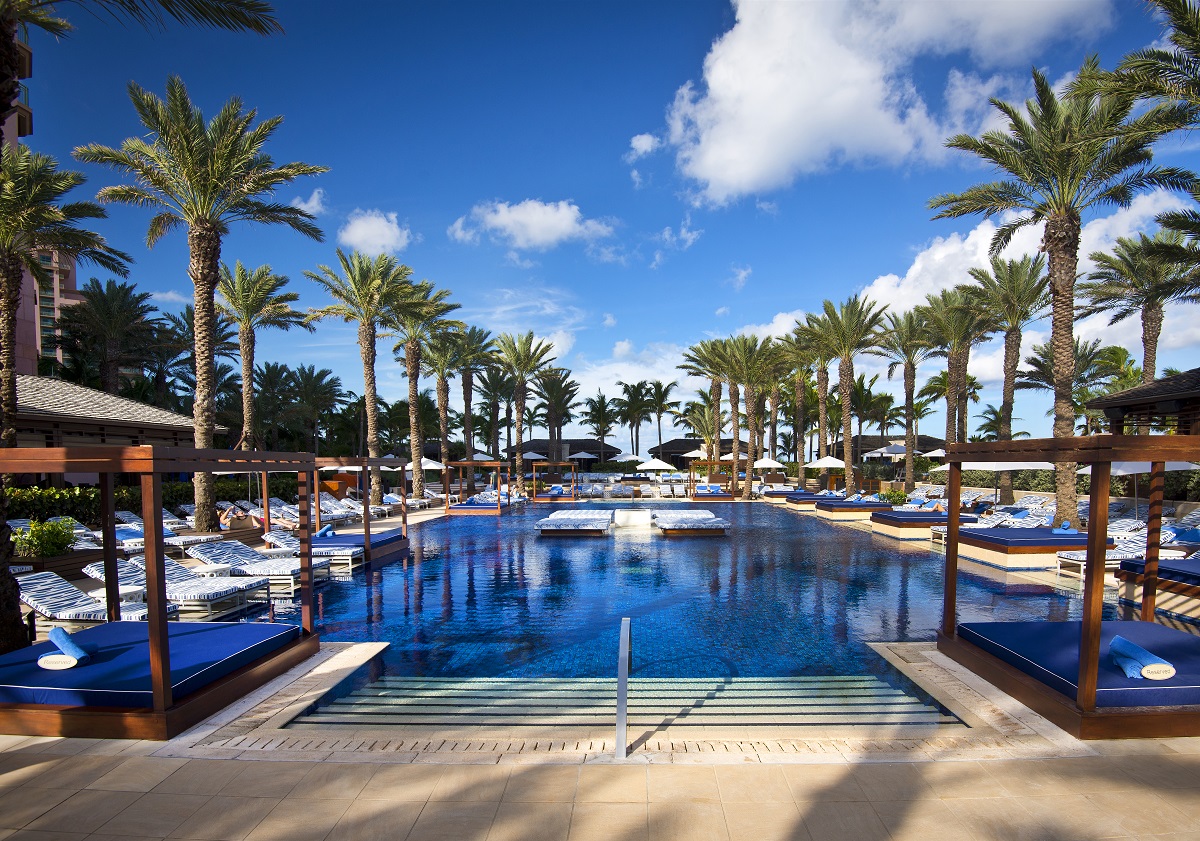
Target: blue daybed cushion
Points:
(343, 541)
(1029, 537)
(1049, 652)
(1182, 570)
(118, 673)
(933, 518)
(827, 504)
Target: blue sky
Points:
(623, 178)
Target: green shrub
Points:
(44, 540)
(895, 496)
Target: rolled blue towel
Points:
(326, 531)
(69, 654)
(1065, 528)
(1131, 668)
(1150, 666)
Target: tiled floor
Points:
(78, 796)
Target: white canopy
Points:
(574, 456)
(938, 453)
(697, 453)
(1131, 468)
(655, 464)
(729, 457)
(999, 466)
(531, 456)
(430, 464)
(767, 463)
(482, 457)
(350, 468)
(884, 452)
(827, 461)
(628, 457)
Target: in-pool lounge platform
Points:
(212, 665)
(841, 509)
(912, 525)
(1014, 548)
(1178, 585)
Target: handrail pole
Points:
(624, 661)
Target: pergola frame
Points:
(570, 464)
(1081, 717)
(460, 466)
(166, 717)
(364, 466)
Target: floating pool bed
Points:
(385, 545)
(841, 509)
(1017, 548)
(1178, 585)
(212, 665)
(1025, 659)
(912, 525)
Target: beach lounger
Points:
(281, 566)
(213, 597)
(53, 597)
(133, 539)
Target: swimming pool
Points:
(784, 594)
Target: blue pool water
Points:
(783, 594)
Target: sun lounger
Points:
(280, 566)
(213, 597)
(52, 596)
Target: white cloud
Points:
(374, 232)
(769, 207)
(740, 275)
(170, 296)
(794, 88)
(314, 204)
(459, 232)
(721, 312)
(780, 325)
(672, 240)
(641, 145)
(548, 311)
(530, 224)
(610, 320)
(563, 341)
(636, 177)
(515, 259)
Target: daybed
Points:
(849, 509)
(911, 525)
(689, 523)
(1018, 548)
(710, 491)
(1178, 584)
(576, 524)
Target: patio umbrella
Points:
(628, 457)
(482, 457)
(827, 461)
(697, 453)
(655, 464)
(430, 464)
(533, 456)
(583, 455)
(767, 463)
(1133, 468)
(349, 468)
(938, 453)
(729, 457)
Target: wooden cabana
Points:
(1169, 401)
(464, 506)
(574, 497)
(362, 467)
(166, 713)
(1071, 700)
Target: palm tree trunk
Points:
(910, 426)
(246, 352)
(12, 630)
(845, 378)
(963, 401)
(1060, 241)
(443, 404)
(12, 272)
(1152, 322)
(753, 424)
(204, 245)
(1012, 358)
(519, 422)
(416, 446)
(801, 424)
(735, 423)
(495, 417)
(952, 393)
(774, 425)
(822, 419)
(468, 385)
(366, 347)
(659, 416)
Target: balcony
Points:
(24, 56)
(24, 113)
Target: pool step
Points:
(519, 702)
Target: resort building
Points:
(1167, 402)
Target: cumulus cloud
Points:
(740, 275)
(530, 224)
(780, 325)
(314, 204)
(641, 145)
(374, 232)
(170, 296)
(794, 88)
(610, 320)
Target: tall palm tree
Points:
(120, 322)
(558, 392)
(253, 300)
(904, 343)
(703, 360)
(845, 331)
(522, 357)
(798, 357)
(1059, 158)
(475, 352)
(749, 364)
(364, 292)
(600, 416)
(1135, 279)
(634, 408)
(439, 359)
(202, 176)
(274, 395)
(954, 324)
(416, 318)
(1016, 293)
(318, 394)
(662, 404)
(1094, 366)
(495, 390)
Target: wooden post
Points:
(950, 585)
(1158, 480)
(403, 508)
(304, 484)
(156, 592)
(266, 502)
(108, 531)
(1093, 585)
(364, 489)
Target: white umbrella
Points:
(583, 455)
(430, 464)
(767, 463)
(999, 466)
(482, 457)
(349, 468)
(628, 457)
(655, 464)
(531, 456)
(697, 453)
(938, 453)
(1133, 468)
(729, 457)
(827, 461)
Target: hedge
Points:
(84, 503)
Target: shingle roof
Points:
(1179, 387)
(44, 397)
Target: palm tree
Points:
(495, 390)
(364, 292)
(954, 324)
(662, 404)
(1016, 293)
(522, 357)
(475, 349)
(202, 177)
(318, 394)
(558, 392)
(253, 300)
(862, 403)
(274, 397)
(600, 416)
(1135, 279)
(844, 332)
(991, 428)
(1059, 158)
(704, 360)
(1093, 364)
(749, 364)
(417, 317)
(798, 358)
(439, 359)
(904, 343)
(118, 320)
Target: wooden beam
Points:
(1158, 481)
(1093, 586)
(304, 483)
(108, 539)
(953, 518)
(156, 592)
(266, 501)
